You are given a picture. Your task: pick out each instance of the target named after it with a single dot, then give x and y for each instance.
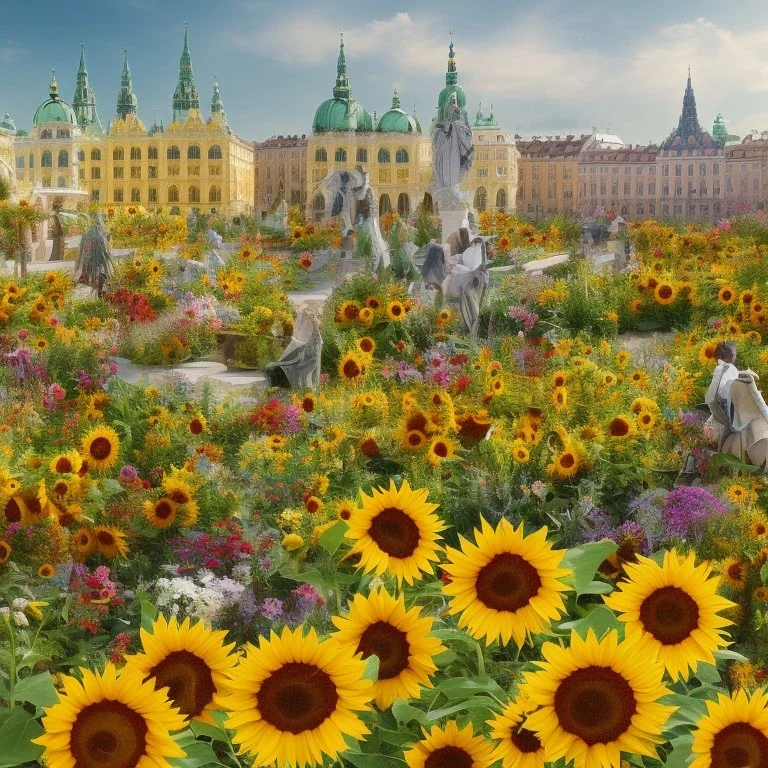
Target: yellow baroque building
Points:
(398, 155)
(191, 165)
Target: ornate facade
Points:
(280, 171)
(192, 164)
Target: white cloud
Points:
(10, 50)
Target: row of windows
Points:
(61, 133)
(193, 195)
(340, 156)
(173, 153)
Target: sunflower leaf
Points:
(725, 653)
(404, 713)
(16, 734)
(37, 690)
(474, 702)
(372, 668)
(585, 560)
(331, 539)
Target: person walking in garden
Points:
(718, 394)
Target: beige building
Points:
(280, 171)
(746, 174)
(192, 164)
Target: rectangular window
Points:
(117, 173)
(626, 189)
(385, 176)
(535, 173)
(652, 208)
(94, 195)
(568, 194)
(615, 189)
(678, 170)
(640, 189)
(665, 170)
(715, 169)
(690, 169)
(602, 188)
(501, 171)
(651, 170)
(567, 173)
(482, 173)
(135, 173)
(551, 193)
(743, 168)
(615, 169)
(665, 209)
(755, 166)
(593, 189)
(402, 175)
(551, 173)
(702, 169)
(729, 167)
(117, 196)
(627, 169)
(652, 188)
(592, 169)
(152, 195)
(95, 173)
(152, 172)
(639, 170)
(716, 188)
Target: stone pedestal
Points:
(451, 220)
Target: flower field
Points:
(446, 557)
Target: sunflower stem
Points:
(480, 660)
(12, 662)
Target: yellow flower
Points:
(292, 542)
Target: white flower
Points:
(21, 619)
(20, 603)
(5, 611)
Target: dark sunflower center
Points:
(595, 704)
(5, 551)
(734, 571)
(526, 741)
(195, 426)
(417, 422)
(61, 488)
(449, 757)
(370, 448)
(189, 679)
(163, 509)
(567, 460)
(619, 428)
(63, 465)
(388, 643)
(441, 450)
(366, 345)
(397, 310)
(669, 614)
(34, 506)
(297, 697)
(739, 745)
(415, 439)
(13, 512)
(665, 291)
(180, 497)
(100, 448)
(395, 532)
(105, 538)
(351, 369)
(507, 583)
(108, 735)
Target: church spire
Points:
(185, 96)
(127, 103)
(217, 105)
(342, 90)
(451, 75)
(53, 88)
(84, 101)
(395, 99)
(689, 120)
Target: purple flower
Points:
(686, 511)
(128, 474)
(272, 609)
(527, 319)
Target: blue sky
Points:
(549, 67)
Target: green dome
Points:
(53, 109)
(396, 120)
(339, 114)
(451, 86)
(7, 123)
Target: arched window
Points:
(403, 204)
(20, 161)
(384, 155)
(152, 197)
(665, 190)
(62, 133)
(94, 195)
(321, 156)
(481, 199)
(703, 190)
(152, 153)
(63, 158)
(31, 160)
(625, 210)
(501, 199)
(117, 196)
(95, 155)
(135, 153)
(402, 155)
(214, 194)
(46, 160)
(194, 194)
(362, 155)
(385, 205)
(341, 155)
(214, 153)
(173, 194)
(47, 133)
(118, 154)
(193, 153)
(427, 205)
(135, 195)
(173, 153)
(81, 156)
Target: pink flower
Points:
(113, 368)
(718, 323)
(23, 334)
(53, 321)
(57, 391)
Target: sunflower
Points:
(366, 345)
(497, 387)
(15, 510)
(380, 625)
(520, 453)
(441, 449)
(366, 316)
(313, 505)
(345, 509)
(110, 541)
(672, 611)
(758, 529)
(518, 747)
(197, 424)
(100, 448)
(450, 747)
(414, 440)
(639, 378)
(40, 344)
(373, 302)
(46, 571)
(737, 493)
(308, 403)
(623, 358)
(396, 311)
(559, 379)
(351, 366)
(369, 447)
(348, 311)
(507, 585)
(190, 660)
(664, 293)
(444, 317)
(734, 573)
(726, 295)
(110, 720)
(294, 699)
(646, 420)
(177, 489)
(160, 513)
(635, 306)
(560, 398)
(621, 426)
(707, 353)
(396, 530)
(83, 544)
(733, 733)
(66, 463)
(596, 701)
(643, 404)
(5, 551)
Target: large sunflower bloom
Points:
(450, 747)
(507, 584)
(733, 733)
(294, 699)
(596, 701)
(672, 610)
(518, 747)
(190, 660)
(160, 513)
(380, 625)
(396, 530)
(100, 448)
(110, 720)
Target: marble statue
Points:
(747, 435)
(453, 151)
(718, 394)
(433, 268)
(57, 231)
(352, 197)
(299, 365)
(94, 261)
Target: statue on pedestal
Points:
(57, 230)
(299, 365)
(94, 261)
(453, 151)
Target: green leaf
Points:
(212, 732)
(372, 668)
(405, 713)
(724, 653)
(463, 687)
(585, 560)
(601, 619)
(681, 753)
(597, 588)
(476, 702)
(16, 734)
(37, 690)
(362, 760)
(311, 577)
(707, 673)
(199, 755)
(454, 634)
(148, 614)
(111, 487)
(331, 539)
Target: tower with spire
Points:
(185, 96)
(689, 133)
(127, 103)
(342, 89)
(452, 87)
(217, 105)
(84, 101)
